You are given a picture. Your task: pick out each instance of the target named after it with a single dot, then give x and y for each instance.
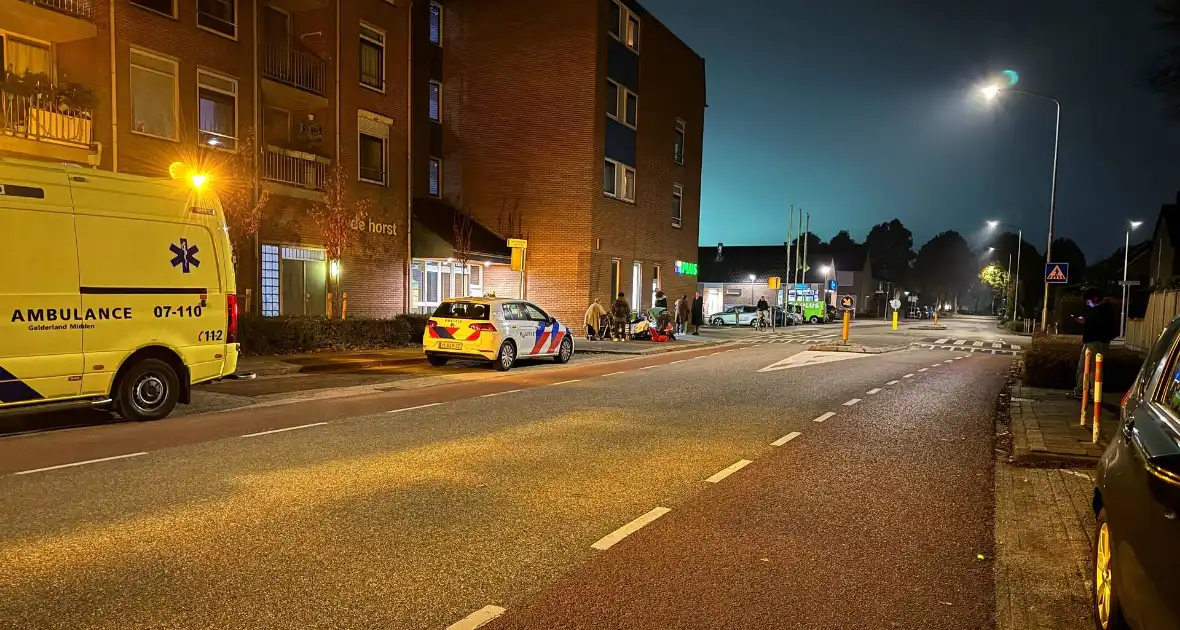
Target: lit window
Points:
(436, 101)
(632, 31)
(678, 148)
(219, 16)
(435, 173)
(153, 95)
(677, 204)
(622, 104)
(372, 60)
(619, 181)
(218, 110)
(624, 25)
(436, 17)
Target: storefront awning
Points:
(433, 235)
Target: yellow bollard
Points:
(844, 332)
(1097, 396)
(1085, 386)
(894, 320)
(935, 317)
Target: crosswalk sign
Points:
(1057, 273)
(847, 302)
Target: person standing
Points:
(683, 312)
(698, 314)
(661, 300)
(1099, 326)
(620, 313)
(594, 316)
(763, 310)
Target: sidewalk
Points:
(1046, 427)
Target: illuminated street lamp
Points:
(991, 93)
(991, 225)
(1126, 288)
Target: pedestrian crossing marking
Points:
(978, 344)
(1015, 347)
(941, 341)
(997, 345)
(960, 342)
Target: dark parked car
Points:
(1137, 501)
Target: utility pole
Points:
(806, 234)
(790, 244)
(798, 235)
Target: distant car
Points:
(1137, 501)
(743, 315)
(497, 330)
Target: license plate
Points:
(450, 345)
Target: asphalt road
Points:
(416, 508)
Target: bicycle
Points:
(759, 322)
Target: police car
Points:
(494, 329)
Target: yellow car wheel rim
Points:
(1102, 585)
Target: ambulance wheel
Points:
(148, 391)
(506, 357)
(565, 351)
(436, 360)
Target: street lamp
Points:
(992, 92)
(1126, 288)
(991, 225)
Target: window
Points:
(655, 283)
(167, 7)
(614, 279)
(219, 16)
(373, 136)
(218, 110)
(622, 104)
(624, 25)
(294, 281)
(678, 147)
(20, 56)
(435, 177)
(619, 181)
(535, 313)
(153, 95)
(637, 286)
(475, 279)
(436, 17)
(372, 57)
(436, 101)
(677, 200)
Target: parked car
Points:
(496, 330)
(1137, 501)
(743, 315)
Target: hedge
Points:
(1052, 362)
(298, 335)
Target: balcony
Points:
(47, 123)
(295, 78)
(57, 21)
(300, 174)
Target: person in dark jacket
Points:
(698, 314)
(620, 313)
(763, 311)
(661, 300)
(1100, 324)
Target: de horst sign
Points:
(373, 227)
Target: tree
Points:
(340, 218)
(996, 280)
(1067, 251)
(945, 266)
(890, 251)
(235, 187)
(462, 225)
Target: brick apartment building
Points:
(420, 106)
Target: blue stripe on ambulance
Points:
(12, 389)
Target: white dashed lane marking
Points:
(608, 541)
(575, 380)
(825, 416)
(892, 382)
(413, 408)
(786, 438)
(511, 391)
(873, 391)
(477, 618)
(908, 376)
(729, 470)
(71, 465)
(852, 402)
(285, 429)
(923, 369)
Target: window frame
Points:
(619, 181)
(237, 116)
(172, 15)
(682, 133)
(624, 35)
(360, 167)
(361, 39)
(235, 23)
(131, 65)
(438, 84)
(620, 110)
(677, 212)
(434, 163)
(430, 15)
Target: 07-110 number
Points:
(210, 335)
(177, 311)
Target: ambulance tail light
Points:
(231, 312)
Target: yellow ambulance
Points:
(115, 291)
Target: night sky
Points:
(865, 110)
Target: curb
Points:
(661, 349)
(856, 349)
(331, 367)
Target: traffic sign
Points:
(775, 282)
(832, 284)
(517, 243)
(895, 303)
(1057, 273)
(847, 302)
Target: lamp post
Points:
(990, 93)
(1126, 288)
(1016, 282)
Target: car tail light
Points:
(1125, 397)
(430, 323)
(480, 328)
(231, 315)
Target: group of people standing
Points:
(687, 316)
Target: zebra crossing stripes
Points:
(966, 345)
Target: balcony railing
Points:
(76, 8)
(287, 63)
(45, 117)
(295, 168)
